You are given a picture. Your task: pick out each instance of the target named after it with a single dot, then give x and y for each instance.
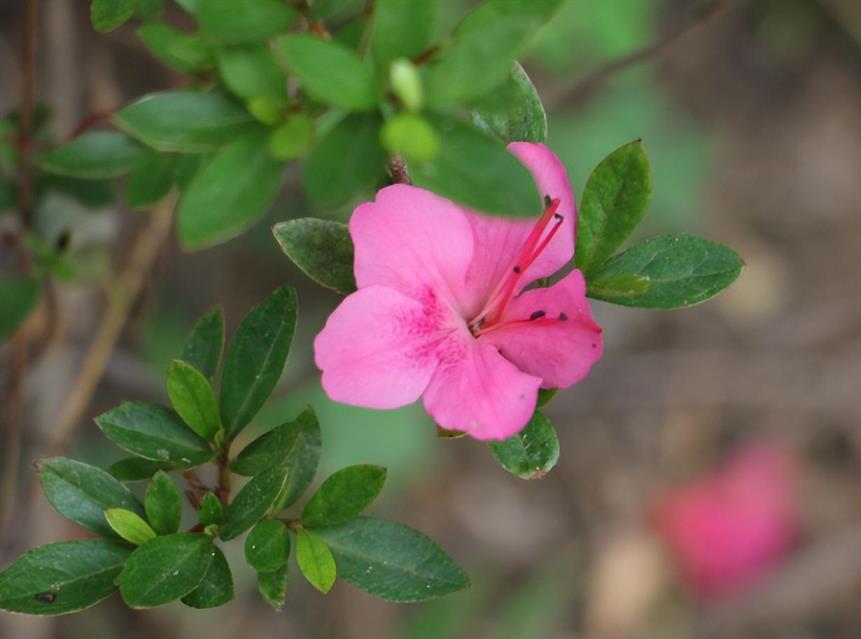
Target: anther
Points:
(547, 201)
(537, 315)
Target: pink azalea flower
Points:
(727, 529)
(441, 312)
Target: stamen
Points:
(537, 314)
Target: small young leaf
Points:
(163, 504)
(20, 296)
(136, 469)
(545, 395)
(203, 347)
(292, 139)
(401, 29)
(154, 432)
(129, 526)
(165, 569)
(243, 21)
(191, 396)
(321, 248)
(344, 495)
(150, 180)
(216, 589)
(251, 72)
(107, 15)
(252, 502)
(514, 111)
(315, 560)
(96, 154)
(211, 510)
(410, 136)
(256, 358)
(64, 577)
(391, 561)
(82, 493)
(614, 202)
(180, 51)
(329, 71)
(531, 453)
(682, 271)
(273, 586)
(267, 546)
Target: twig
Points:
(398, 170)
(25, 111)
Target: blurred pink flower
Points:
(441, 314)
(729, 528)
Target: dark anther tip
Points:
(537, 314)
(563, 316)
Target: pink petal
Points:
(559, 352)
(410, 238)
(479, 392)
(378, 348)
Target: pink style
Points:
(441, 311)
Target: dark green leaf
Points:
(682, 271)
(252, 72)
(150, 180)
(252, 502)
(272, 586)
(211, 510)
(515, 113)
(344, 495)
(614, 201)
(149, 9)
(216, 589)
(321, 248)
(60, 578)
(18, 297)
(136, 469)
(107, 15)
(92, 194)
(315, 560)
(191, 396)
(401, 28)
(203, 347)
(129, 526)
(185, 121)
(531, 453)
(335, 8)
(243, 21)
(96, 154)
(391, 561)
(154, 432)
(82, 493)
(163, 504)
(329, 71)
(267, 546)
(165, 569)
(181, 51)
(256, 358)
(187, 167)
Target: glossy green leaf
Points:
(95, 154)
(267, 546)
(186, 53)
(315, 560)
(185, 121)
(19, 297)
(272, 586)
(344, 495)
(243, 21)
(252, 72)
(191, 396)
(391, 561)
(154, 432)
(216, 589)
(476, 169)
(328, 71)
(107, 15)
(136, 469)
(211, 510)
(321, 248)
(230, 193)
(82, 493)
(401, 28)
(203, 347)
(165, 569)
(531, 453)
(256, 358)
(252, 502)
(513, 112)
(150, 180)
(130, 526)
(61, 578)
(614, 202)
(163, 504)
(682, 271)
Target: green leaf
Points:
(211, 510)
(185, 121)
(682, 271)
(346, 161)
(136, 469)
(401, 28)
(19, 297)
(91, 193)
(191, 396)
(267, 546)
(334, 8)
(230, 193)
(545, 395)
(391, 561)
(187, 168)
(107, 15)
(292, 139)
(476, 169)
(294, 446)
(82, 493)
(256, 358)
(216, 589)
(154, 432)
(163, 504)
(531, 453)
(60, 578)
(514, 111)
(321, 248)
(180, 51)
(129, 526)
(328, 71)
(203, 347)
(251, 72)
(96, 154)
(165, 569)
(410, 136)
(344, 495)
(252, 502)
(243, 21)
(315, 560)
(273, 586)
(150, 180)
(614, 202)
(621, 286)
(149, 9)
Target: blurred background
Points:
(751, 114)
